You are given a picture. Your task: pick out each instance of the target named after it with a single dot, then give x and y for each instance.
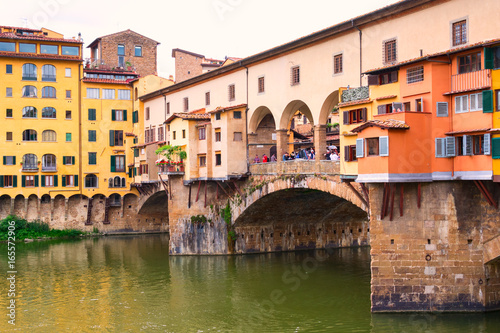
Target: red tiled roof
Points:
(39, 56)
(362, 101)
(332, 137)
(466, 90)
(11, 35)
(227, 108)
(385, 97)
(477, 130)
(387, 124)
(198, 111)
(105, 71)
(94, 80)
(188, 116)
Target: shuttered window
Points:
(442, 109)
(384, 145)
(360, 148)
(487, 101)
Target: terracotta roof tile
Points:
(385, 97)
(11, 35)
(188, 116)
(388, 124)
(39, 56)
(94, 80)
(359, 102)
(477, 130)
(227, 108)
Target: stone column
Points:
(281, 143)
(252, 142)
(320, 141)
(66, 208)
(52, 209)
(26, 207)
(12, 200)
(38, 208)
(123, 206)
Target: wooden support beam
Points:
(205, 194)
(170, 189)
(419, 195)
(189, 198)
(401, 200)
(222, 188)
(217, 192)
(237, 188)
(366, 192)
(198, 192)
(382, 208)
(360, 197)
(482, 188)
(393, 190)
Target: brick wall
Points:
(186, 66)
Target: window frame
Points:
(338, 64)
(390, 49)
(295, 75)
(261, 85)
(231, 91)
(463, 22)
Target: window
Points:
(92, 114)
(218, 158)
(419, 105)
(135, 117)
(8, 181)
(30, 162)
(469, 63)
(202, 161)
(70, 181)
(217, 116)
(168, 107)
(237, 114)
(49, 136)
(121, 50)
(476, 102)
(390, 51)
(119, 115)
(138, 51)
(27, 48)
(295, 75)
(442, 109)
(238, 136)
(478, 144)
(415, 74)
(498, 100)
(231, 92)
(207, 98)
(48, 113)
(8, 92)
(29, 72)
(9, 160)
(93, 93)
(372, 145)
(8, 136)
(48, 181)
(183, 133)
(118, 163)
(68, 160)
(49, 73)
(49, 162)
(92, 158)
(90, 181)
(68, 93)
(186, 104)
(8, 46)
(389, 77)
(108, 93)
(201, 133)
(445, 147)
(350, 153)
(8, 113)
(29, 181)
(92, 136)
(68, 137)
(261, 84)
(461, 104)
(8, 69)
(355, 116)
(48, 92)
(115, 138)
(49, 49)
(29, 91)
(147, 114)
(174, 136)
(459, 32)
(29, 112)
(337, 64)
(68, 114)
(217, 135)
(124, 94)
(67, 72)
(161, 134)
(70, 50)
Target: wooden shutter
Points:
(346, 117)
(63, 181)
(364, 114)
(111, 138)
(487, 101)
(129, 172)
(439, 149)
(124, 115)
(36, 180)
(72, 160)
(394, 76)
(442, 109)
(372, 80)
(346, 153)
(495, 148)
(113, 163)
(113, 114)
(1, 181)
(14, 181)
(43, 181)
(381, 109)
(488, 58)
(56, 181)
(487, 144)
(140, 169)
(4, 160)
(23, 181)
(383, 143)
(467, 145)
(14, 160)
(76, 180)
(450, 146)
(360, 148)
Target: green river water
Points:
(131, 284)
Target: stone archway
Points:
(262, 134)
(5, 204)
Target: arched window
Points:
(91, 181)
(117, 182)
(48, 73)
(29, 135)
(124, 182)
(29, 112)
(49, 162)
(29, 91)
(49, 112)
(30, 161)
(49, 136)
(115, 200)
(48, 92)
(110, 182)
(29, 72)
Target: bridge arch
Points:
(330, 102)
(291, 109)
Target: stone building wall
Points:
(187, 65)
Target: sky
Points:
(214, 28)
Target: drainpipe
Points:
(246, 120)
(80, 154)
(360, 53)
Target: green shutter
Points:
(63, 181)
(135, 117)
(14, 160)
(495, 148)
(14, 181)
(125, 115)
(113, 164)
(113, 114)
(43, 181)
(129, 172)
(4, 160)
(488, 58)
(55, 181)
(111, 138)
(23, 180)
(136, 152)
(76, 180)
(36, 181)
(487, 101)
(135, 172)
(1, 181)
(72, 160)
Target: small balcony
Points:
(30, 168)
(49, 168)
(48, 78)
(471, 81)
(170, 169)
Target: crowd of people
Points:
(304, 154)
